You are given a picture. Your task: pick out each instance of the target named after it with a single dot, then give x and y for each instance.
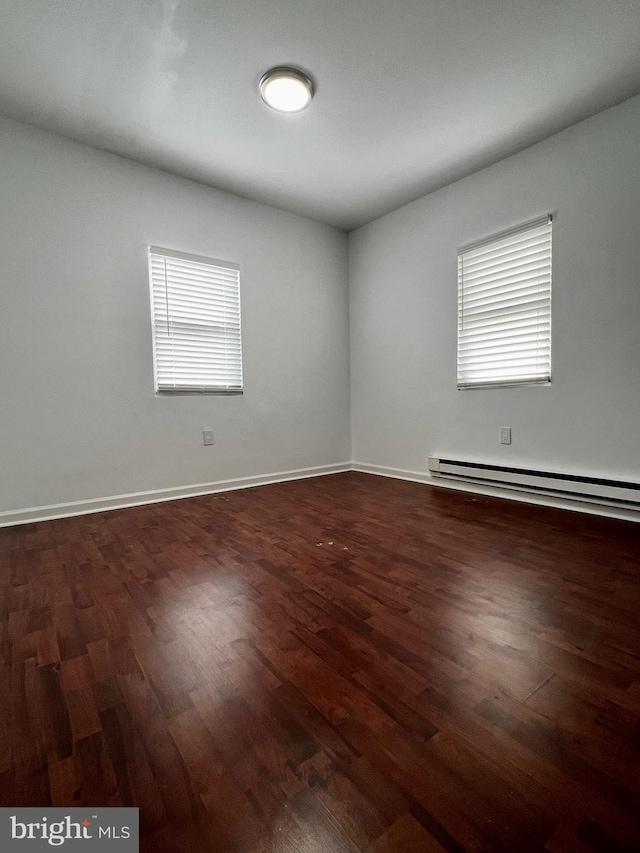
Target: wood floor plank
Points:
(342, 664)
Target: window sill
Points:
(216, 392)
(522, 384)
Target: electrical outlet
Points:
(207, 437)
(505, 435)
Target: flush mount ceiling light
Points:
(286, 90)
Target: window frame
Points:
(547, 219)
(200, 259)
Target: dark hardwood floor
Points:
(338, 664)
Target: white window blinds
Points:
(504, 309)
(195, 305)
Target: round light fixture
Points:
(286, 90)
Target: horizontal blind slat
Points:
(504, 370)
(527, 326)
(488, 352)
(513, 360)
(197, 337)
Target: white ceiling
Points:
(411, 94)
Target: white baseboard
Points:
(508, 493)
(84, 507)
(63, 510)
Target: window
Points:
(195, 307)
(504, 309)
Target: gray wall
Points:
(403, 286)
(78, 414)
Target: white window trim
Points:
(547, 219)
(212, 390)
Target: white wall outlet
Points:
(207, 437)
(505, 435)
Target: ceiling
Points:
(410, 94)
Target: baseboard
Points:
(84, 507)
(508, 493)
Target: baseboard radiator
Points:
(575, 486)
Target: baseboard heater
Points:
(576, 486)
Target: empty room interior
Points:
(320, 426)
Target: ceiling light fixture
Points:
(286, 90)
